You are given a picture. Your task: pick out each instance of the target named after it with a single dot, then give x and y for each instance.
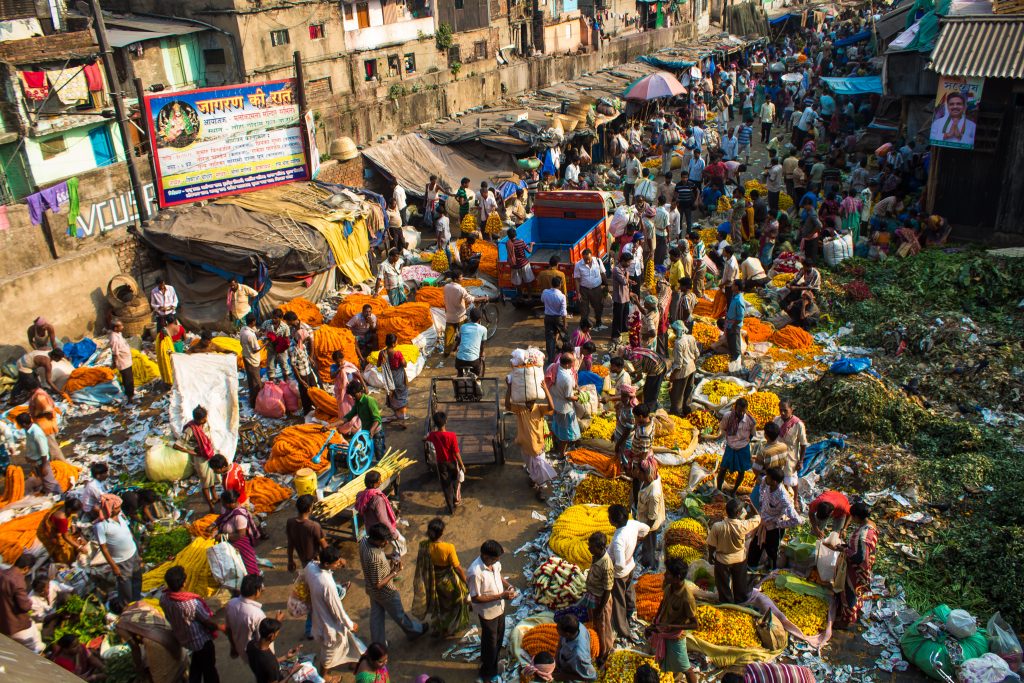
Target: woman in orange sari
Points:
(58, 534)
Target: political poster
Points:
(956, 112)
(221, 141)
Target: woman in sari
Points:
(372, 666)
(860, 558)
(849, 213)
(238, 525)
(531, 435)
(440, 588)
(392, 367)
(342, 372)
(58, 534)
(171, 339)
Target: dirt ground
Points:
(497, 502)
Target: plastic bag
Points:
(290, 395)
(298, 599)
(226, 565)
(850, 366)
(621, 220)
(701, 573)
(827, 559)
(1003, 641)
(270, 401)
(988, 668)
(961, 624)
(166, 463)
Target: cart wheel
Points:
(360, 453)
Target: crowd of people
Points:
(660, 267)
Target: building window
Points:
(214, 57)
(370, 66)
(480, 49)
(363, 14)
(458, 4)
(350, 11)
(410, 63)
(52, 147)
(279, 37)
(316, 31)
(393, 66)
(319, 88)
(454, 54)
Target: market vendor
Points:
(777, 515)
(676, 615)
(196, 441)
(59, 534)
(727, 550)
(804, 312)
(739, 428)
(364, 329)
(73, 656)
(860, 558)
(807, 279)
(515, 207)
(831, 505)
(232, 476)
(573, 661)
(651, 366)
(637, 447)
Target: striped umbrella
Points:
(658, 84)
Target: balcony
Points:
(375, 37)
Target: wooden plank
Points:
(50, 48)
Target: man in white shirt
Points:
(117, 545)
(752, 272)
(164, 302)
(774, 182)
(807, 120)
(631, 169)
(444, 232)
(400, 203)
(646, 188)
(488, 205)
(661, 221)
(588, 274)
(674, 221)
(95, 489)
(571, 176)
(554, 317)
(628, 533)
(731, 268)
(488, 591)
(238, 302)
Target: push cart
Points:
(473, 407)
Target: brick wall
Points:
(343, 172)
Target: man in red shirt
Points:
(233, 476)
(449, 459)
(829, 504)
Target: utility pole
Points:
(120, 112)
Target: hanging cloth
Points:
(93, 77)
(36, 87)
(73, 208)
(69, 84)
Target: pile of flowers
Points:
(763, 406)
(726, 627)
(718, 389)
(680, 436)
(808, 612)
(600, 491)
(705, 334)
(781, 280)
(704, 420)
(716, 364)
(601, 427)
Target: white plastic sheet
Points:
(209, 380)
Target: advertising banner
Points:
(956, 112)
(220, 141)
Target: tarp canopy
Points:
(775, 21)
(340, 217)
(204, 295)
(411, 159)
(856, 85)
(234, 240)
(855, 38)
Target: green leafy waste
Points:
(84, 618)
(167, 544)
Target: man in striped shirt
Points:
(652, 367)
(744, 134)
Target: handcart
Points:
(473, 407)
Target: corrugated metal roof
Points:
(988, 47)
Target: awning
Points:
(775, 21)
(122, 38)
(858, 85)
(855, 38)
(987, 47)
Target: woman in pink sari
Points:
(342, 372)
(860, 558)
(238, 525)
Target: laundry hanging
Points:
(52, 198)
(35, 85)
(93, 77)
(73, 207)
(69, 84)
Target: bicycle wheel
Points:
(489, 317)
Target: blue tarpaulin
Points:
(667, 64)
(855, 85)
(855, 38)
(782, 17)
